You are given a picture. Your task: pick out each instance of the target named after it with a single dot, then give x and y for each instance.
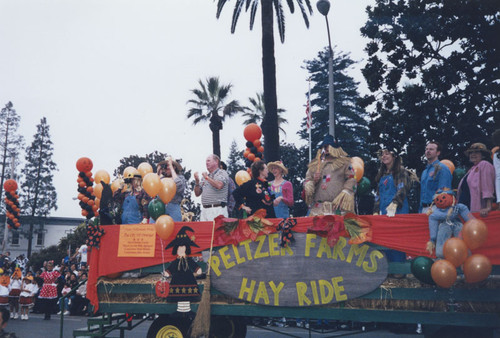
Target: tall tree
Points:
(235, 161)
(11, 143)
(270, 122)
(433, 71)
(351, 120)
(256, 113)
(39, 194)
(210, 105)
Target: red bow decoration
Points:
(233, 230)
(334, 226)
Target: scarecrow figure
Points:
(183, 287)
(330, 183)
(444, 220)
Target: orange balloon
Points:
(251, 156)
(97, 202)
(359, 160)
(116, 184)
(101, 175)
(475, 233)
(256, 143)
(168, 189)
(164, 226)
(128, 170)
(144, 168)
(252, 132)
(241, 177)
(151, 184)
(246, 153)
(444, 273)
(449, 164)
(10, 185)
(455, 251)
(260, 149)
(98, 190)
(358, 171)
(84, 164)
(477, 268)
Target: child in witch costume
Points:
(444, 220)
(183, 287)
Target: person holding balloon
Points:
(330, 180)
(133, 199)
(477, 188)
(256, 193)
(282, 190)
(172, 169)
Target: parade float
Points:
(213, 278)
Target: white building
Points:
(46, 232)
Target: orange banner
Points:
(136, 240)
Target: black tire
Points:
(227, 327)
(169, 327)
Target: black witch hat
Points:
(181, 239)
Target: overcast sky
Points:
(113, 76)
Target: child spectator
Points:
(26, 297)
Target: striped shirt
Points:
(211, 195)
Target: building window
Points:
(39, 238)
(15, 238)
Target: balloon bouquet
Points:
(254, 151)
(11, 204)
(443, 272)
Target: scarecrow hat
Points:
(277, 164)
(182, 238)
(478, 147)
(329, 140)
(177, 166)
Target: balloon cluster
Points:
(94, 233)
(443, 272)
(85, 187)
(12, 204)
(254, 151)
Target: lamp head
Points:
(323, 7)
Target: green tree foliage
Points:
(47, 254)
(257, 113)
(268, 9)
(73, 240)
(351, 120)
(38, 192)
(235, 161)
(11, 143)
(433, 71)
(210, 105)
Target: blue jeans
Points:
(445, 231)
(174, 210)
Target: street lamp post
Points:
(323, 7)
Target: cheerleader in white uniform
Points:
(28, 291)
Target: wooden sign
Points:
(136, 240)
(307, 273)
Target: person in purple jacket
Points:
(476, 189)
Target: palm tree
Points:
(270, 121)
(257, 113)
(209, 106)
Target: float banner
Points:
(306, 273)
(136, 241)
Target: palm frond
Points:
(236, 14)
(303, 10)
(280, 19)
(220, 5)
(253, 11)
(291, 5)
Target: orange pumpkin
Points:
(84, 164)
(444, 200)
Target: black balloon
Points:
(249, 144)
(253, 149)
